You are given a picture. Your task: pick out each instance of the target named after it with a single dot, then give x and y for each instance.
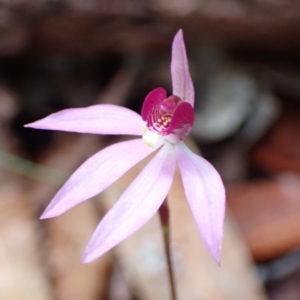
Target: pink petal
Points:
(154, 98)
(206, 196)
(96, 174)
(181, 79)
(182, 120)
(136, 205)
(99, 119)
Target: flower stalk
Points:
(164, 216)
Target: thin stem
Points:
(165, 223)
(31, 170)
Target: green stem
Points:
(165, 223)
(31, 170)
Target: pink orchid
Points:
(164, 123)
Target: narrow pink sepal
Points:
(98, 119)
(96, 174)
(155, 97)
(181, 80)
(136, 205)
(205, 193)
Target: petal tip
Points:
(218, 260)
(216, 254)
(85, 260)
(88, 256)
(29, 125)
(36, 125)
(178, 40)
(47, 214)
(44, 217)
(179, 34)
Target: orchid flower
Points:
(163, 124)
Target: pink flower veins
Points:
(165, 122)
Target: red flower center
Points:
(167, 115)
(162, 114)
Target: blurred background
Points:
(244, 60)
